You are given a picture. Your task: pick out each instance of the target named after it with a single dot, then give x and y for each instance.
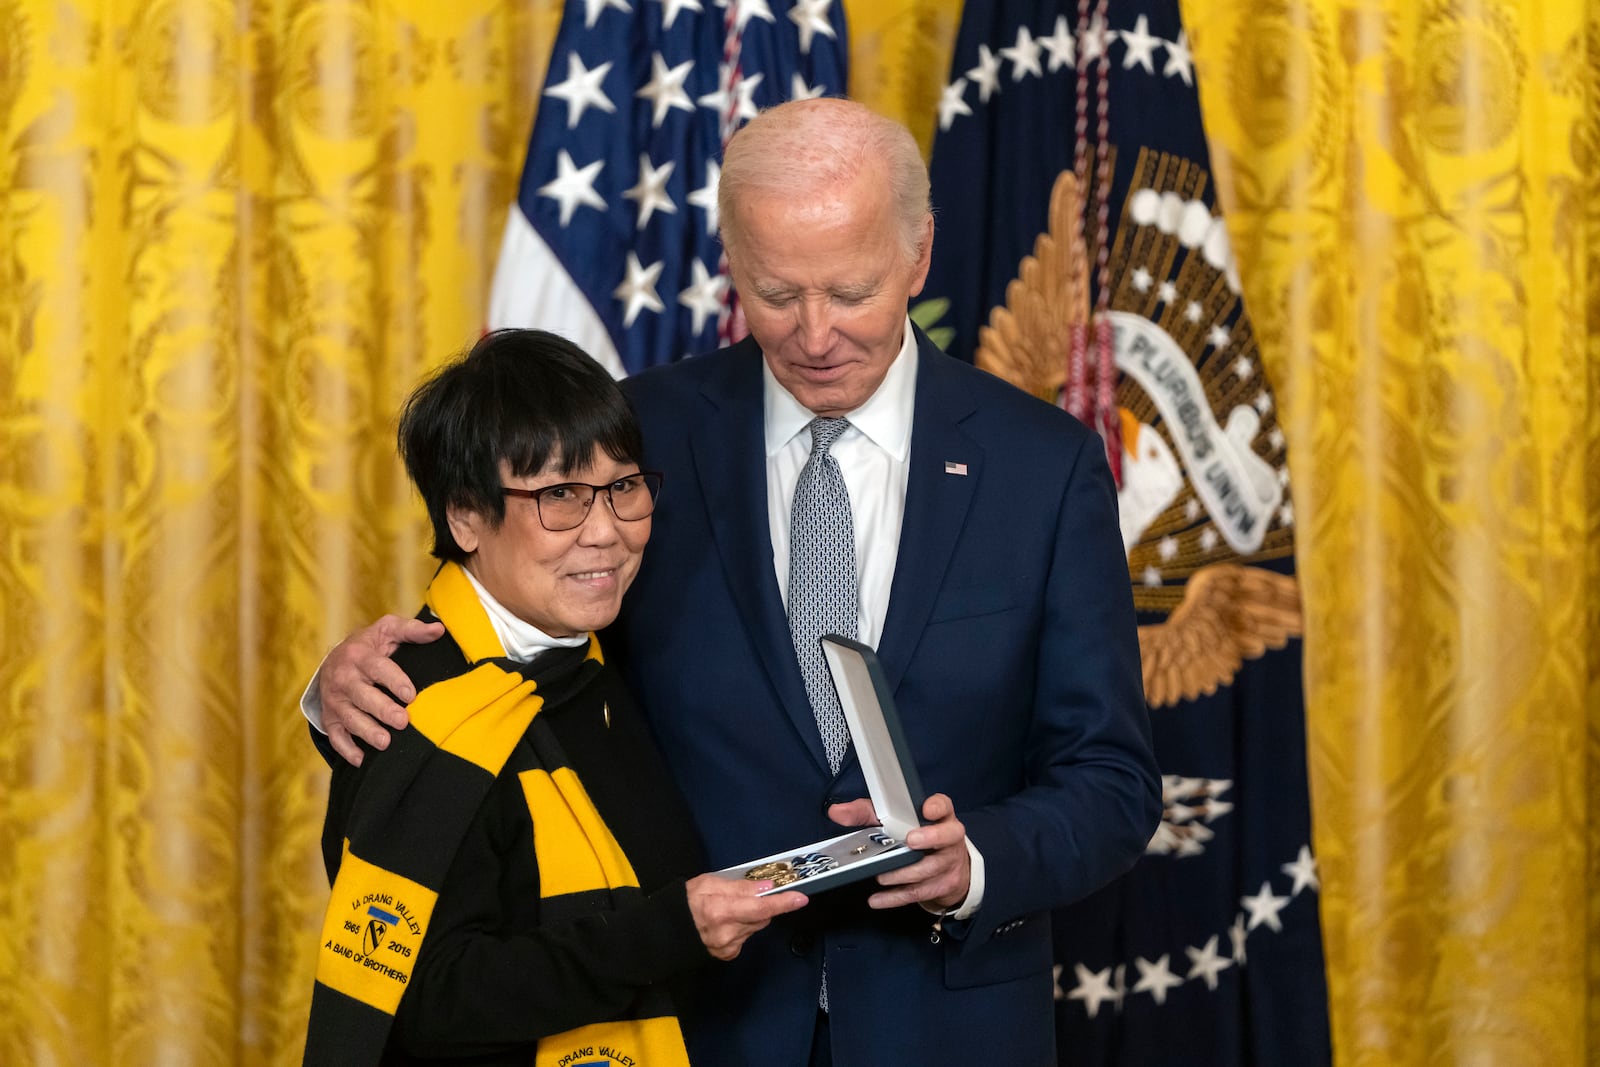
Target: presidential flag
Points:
(1080, 253)
(613, 238)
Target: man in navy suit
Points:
(991, 581)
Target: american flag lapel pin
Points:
(952, 467)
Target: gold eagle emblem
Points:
(1225, 612)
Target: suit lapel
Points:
(945, 466)
(730, 462)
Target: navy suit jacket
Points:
(1012, 651)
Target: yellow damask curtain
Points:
(1411, 189)
(233, 234)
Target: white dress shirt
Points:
(521, 639)
(874, 456)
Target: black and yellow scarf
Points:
(415, 803)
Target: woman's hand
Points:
(727, 912)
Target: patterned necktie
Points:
(822, 578)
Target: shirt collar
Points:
(521, 639)
(885, 418)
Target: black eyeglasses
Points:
(566, 506)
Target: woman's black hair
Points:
(525, 396)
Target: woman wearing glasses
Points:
(512, 875)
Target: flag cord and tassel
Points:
(1076, 394)
(1091, 352)
(731, 327)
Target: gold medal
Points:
(776, 870)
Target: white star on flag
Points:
(1238, 934)
(951, 104)
(582, 89)
(745, 10)
(1155, 978)
(1060, 45)
(638, 289)
(705, 197)
(1303, 870)
(703, 298)
(1095, 40)
(593, 8)
(986, 75)
(1215, 809)
(743, 95)
(1179, 61)
(1024, 56)
(1140, 46)
(651, 190)
(1205, 963)
(671, 8)
(1093, 988)
(665, 88)
(1264, 908)
(811, 18)
(798, 90)
(573, 186)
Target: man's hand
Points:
(726, 912)
(347, 684)
(939, 880)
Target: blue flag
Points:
(613, 239)
(1209, 951)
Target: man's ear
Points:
(919, 275)
(464, 526)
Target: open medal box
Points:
(891, 777)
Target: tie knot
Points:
(824, 432)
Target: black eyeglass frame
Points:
(651, 480)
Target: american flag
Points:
(613, 238)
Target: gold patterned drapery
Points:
(232, 236)
(1411, 190)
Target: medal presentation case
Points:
(892, 782)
